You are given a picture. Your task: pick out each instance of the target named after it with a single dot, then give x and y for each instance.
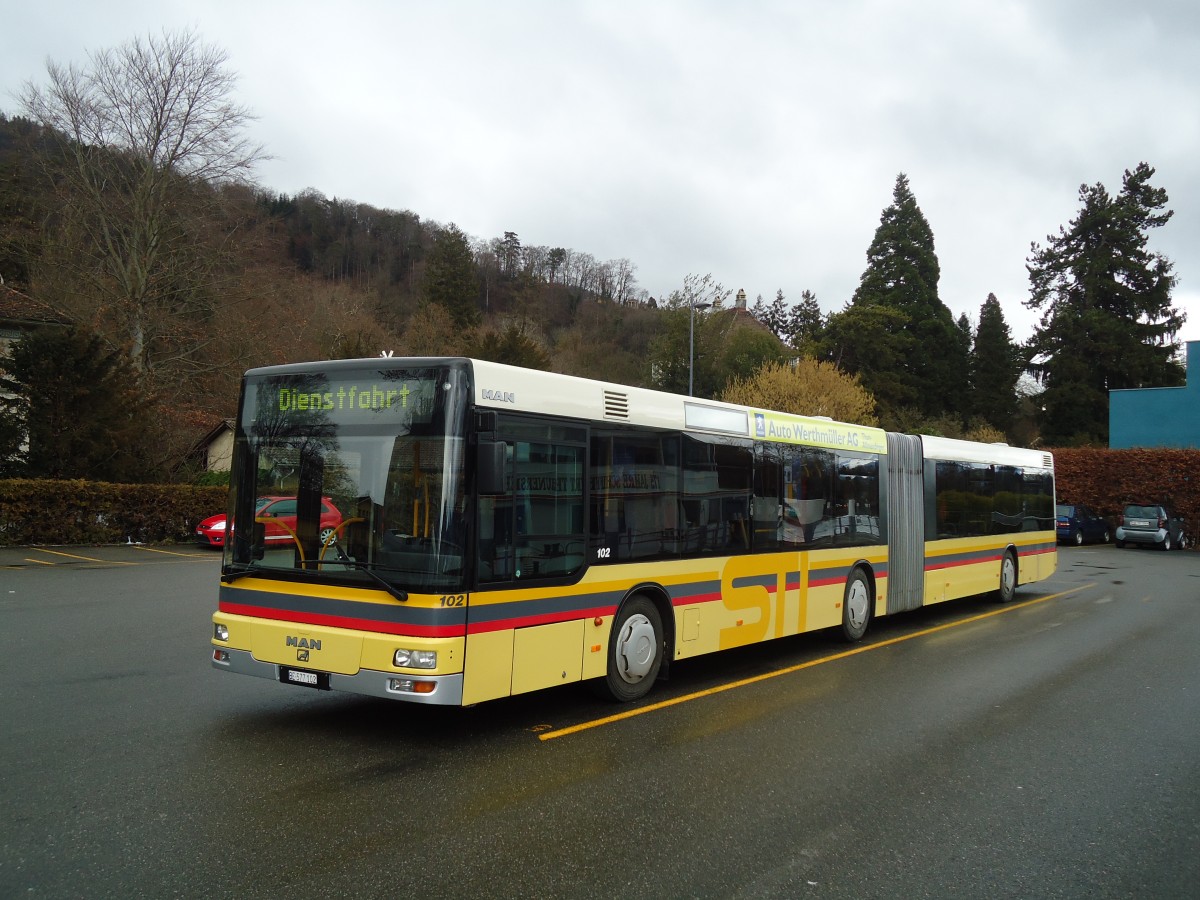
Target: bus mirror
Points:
(492, 456)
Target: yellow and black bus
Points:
(502, 530)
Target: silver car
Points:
(1155, 525)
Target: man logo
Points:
(303, 643)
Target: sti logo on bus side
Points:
(500, 396)
(303, 643)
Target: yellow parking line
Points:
(675, 701)
(40, 562)
(115, 562)
(171, 552)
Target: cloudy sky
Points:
(756, 141)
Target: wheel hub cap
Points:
(635, 649)
(856, 604)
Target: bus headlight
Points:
(221, 632)
(415, 659)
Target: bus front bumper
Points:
(437, 690)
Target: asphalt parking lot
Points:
(102, 555)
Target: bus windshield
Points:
(352, 474)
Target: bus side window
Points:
(535, 529)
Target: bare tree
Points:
(144, 132)
(605, 281)
(536, 262)
(581, 268)
(624, 279)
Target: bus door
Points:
(534, 527)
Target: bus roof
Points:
(993, 454)
(500, 386)
(510, 387)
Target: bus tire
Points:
(635, 651)
(856, 606)
(1008, 578)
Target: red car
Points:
(280, 516)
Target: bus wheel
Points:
(1008, 578)
(856, 607)
(635, 651)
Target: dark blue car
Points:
(1076, 523)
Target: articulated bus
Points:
(501, 530)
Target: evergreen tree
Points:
(777, 316)
(964, 342)
(509, 252)
(902, 276)
(963, 324)
(995, 368)
(450, 277)
(805, 325)
(555, 261)
(872, 341)
(1107, 319)
(77, 405)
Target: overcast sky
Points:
(756, 141)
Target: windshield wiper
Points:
(368, 570)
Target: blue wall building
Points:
(1158, 417)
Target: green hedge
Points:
(90, 512)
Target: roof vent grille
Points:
(616, 405)
(1048, 460)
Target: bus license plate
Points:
(318, 680)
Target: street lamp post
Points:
(692, 341)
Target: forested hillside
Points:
(254, 277)
(179, 271)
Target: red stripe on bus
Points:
(372, 625)
(690, 599)
(955, 563)
(825, 582)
